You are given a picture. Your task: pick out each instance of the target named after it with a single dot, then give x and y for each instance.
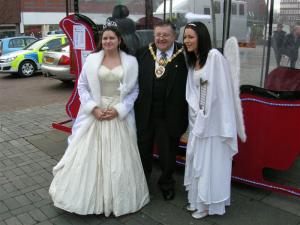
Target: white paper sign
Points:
(79, 37)
(84, 54)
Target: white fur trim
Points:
(121, 109)
(89, 106)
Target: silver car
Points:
(56, 64)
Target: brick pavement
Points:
(29, 148)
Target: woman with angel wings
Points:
(215, 118)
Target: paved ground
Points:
(29, 148)
(18, 93)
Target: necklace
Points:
(160, 70)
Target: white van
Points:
(200, 10)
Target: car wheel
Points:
(27, 68)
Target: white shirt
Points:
(169, 52)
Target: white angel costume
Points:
(213, 125)
(101, 170)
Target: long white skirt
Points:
(208, 174)
(102, 172)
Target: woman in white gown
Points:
(101, 170)
(212, 125)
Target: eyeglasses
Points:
(162, 35)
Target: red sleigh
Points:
(271, 119)
(273, 136)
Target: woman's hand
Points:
(98, 113)
(110, 114)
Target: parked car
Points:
(56, 64)
(12, 44)
(54, 32)
(28, 61)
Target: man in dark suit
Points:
(277, 42)
(291, 45)
(161, 108)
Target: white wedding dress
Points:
(102, 172)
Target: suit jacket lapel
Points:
(151, 68)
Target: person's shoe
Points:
(199, 214)
(168, 194)
(190, 208)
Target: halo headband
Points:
(191, 24)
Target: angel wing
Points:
(231, 53)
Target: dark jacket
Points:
(291, 46)
(176, 110)
(278, 39)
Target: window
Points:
(17, 43)
(233, 9)
(206, 11)
(29, 41)
(53, 44)
(217, 7)
(242, 9)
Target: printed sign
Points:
(79, 37)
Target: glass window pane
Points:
(11, 44)
(251, 35)
(16, 43)
(241, 9)
(187, 11)
(285, 43)
(29, 41)
(206, 11)
(217, 7)
(233, 9)
(53, 44)
(287, 21)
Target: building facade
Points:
(10, 18)
(37, 17)
(40, 16)
(290, 12)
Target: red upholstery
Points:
(283, 79)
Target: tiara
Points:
(110, 23)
